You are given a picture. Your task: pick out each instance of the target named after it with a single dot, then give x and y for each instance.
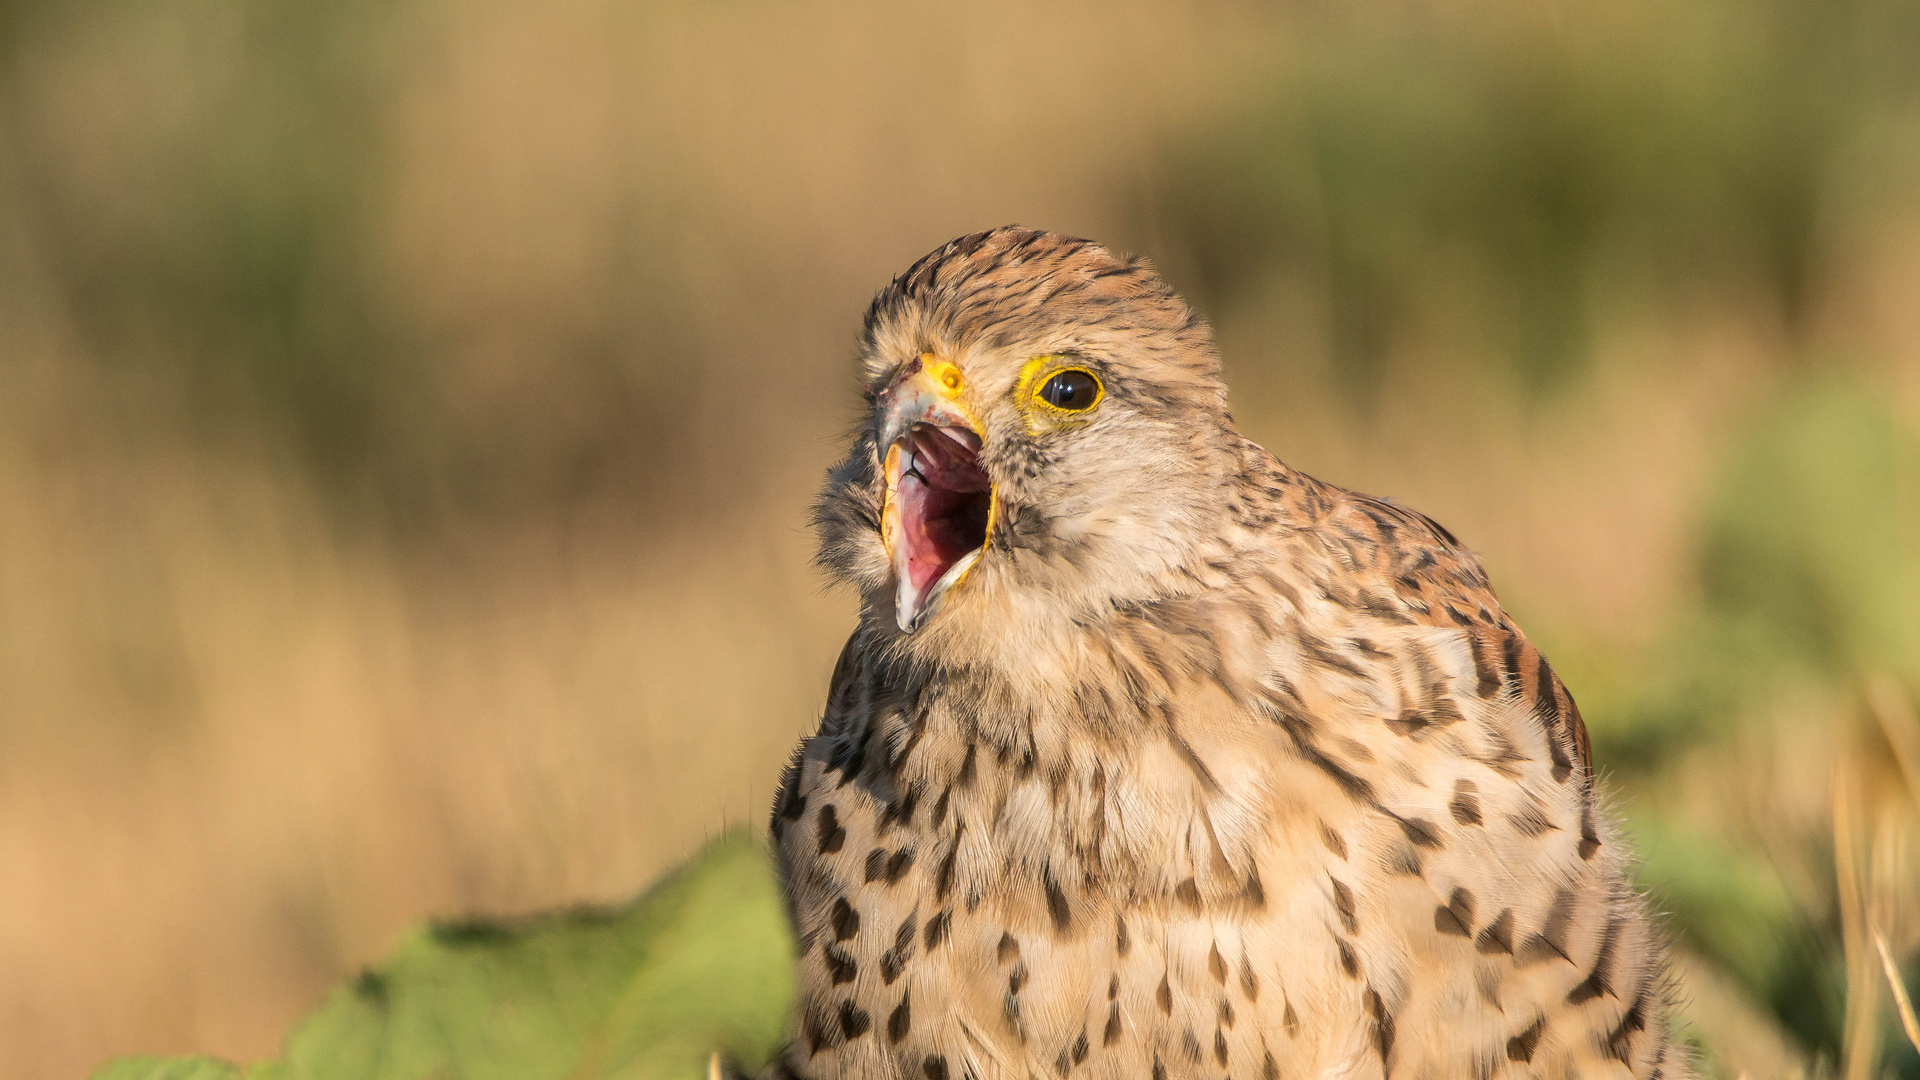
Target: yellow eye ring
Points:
(1067, 391)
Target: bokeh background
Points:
(408, 413)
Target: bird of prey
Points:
(1154, 758)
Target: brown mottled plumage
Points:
(1202, 768)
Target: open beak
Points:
(939, 505)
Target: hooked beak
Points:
(939, 503)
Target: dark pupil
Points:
(1069, 390)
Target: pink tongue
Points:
(924, 563)
(940, 460)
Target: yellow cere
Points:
(945, 375)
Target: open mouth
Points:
(939, 507)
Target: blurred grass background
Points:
(408, 413)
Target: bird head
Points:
(1047, 437)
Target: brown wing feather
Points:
(1441, 583)
(842, 690)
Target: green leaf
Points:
(649, 991)
(193, 1068)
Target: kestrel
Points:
(1152, 757)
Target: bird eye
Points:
(1072, 390)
